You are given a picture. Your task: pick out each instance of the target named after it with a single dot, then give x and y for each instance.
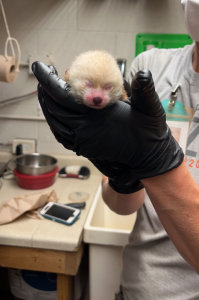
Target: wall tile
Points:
(125, 47)
(46, 142)
(27, 40)
(160, 17)
(37, 14)
(26, 107)
(44, 133)
(24, 84)
(10, 129)
(65, 46)
(51, 41)
(83, 41)
(52, 148)
(128, 15)
(96, 15)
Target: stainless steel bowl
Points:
(35, 164)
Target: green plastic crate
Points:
(145, 40)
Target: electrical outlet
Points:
(28, 146)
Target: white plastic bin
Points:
(106, 233)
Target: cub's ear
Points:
(66, 76)
(127, 87)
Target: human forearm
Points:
(175, 197)
(123, 204)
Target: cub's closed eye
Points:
(108, 87)
(88, 84)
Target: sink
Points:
(105, 227)
(106, 233)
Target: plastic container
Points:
(31, 182)
(106, 233)
(145, 41)
(33, 285)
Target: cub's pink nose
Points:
(97, 100)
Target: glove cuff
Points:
(170, 156)
(129, 188)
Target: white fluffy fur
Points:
(98, 67)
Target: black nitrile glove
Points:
(133, 133)
(120, 177)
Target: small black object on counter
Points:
(79, 205)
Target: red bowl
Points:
(35, 182)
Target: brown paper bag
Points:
(29, 204)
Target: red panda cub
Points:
(95, 79)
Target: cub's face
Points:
(95, 79)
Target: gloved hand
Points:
(133, 133)
(120, 177)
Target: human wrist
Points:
(178, 178)
(104, 180)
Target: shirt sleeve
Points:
(134, 68)
(142, 61)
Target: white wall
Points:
(63, 29)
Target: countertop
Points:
(45, 234)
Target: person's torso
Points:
(152, 267)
